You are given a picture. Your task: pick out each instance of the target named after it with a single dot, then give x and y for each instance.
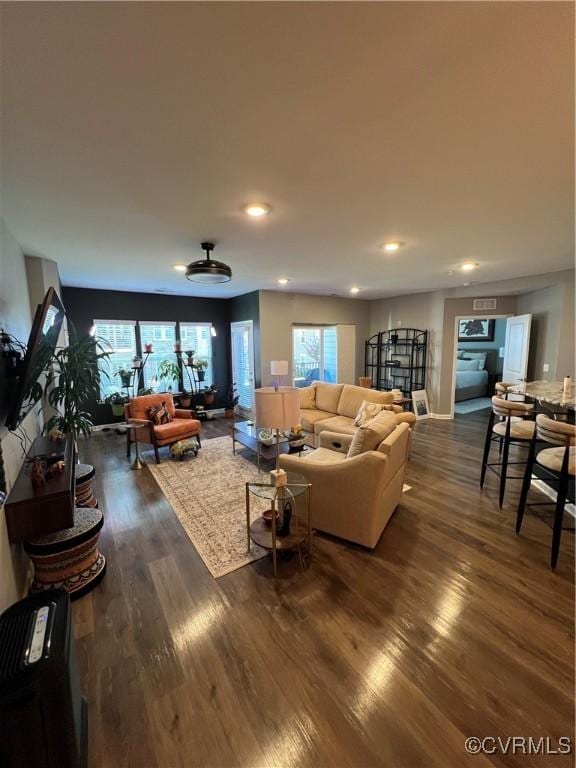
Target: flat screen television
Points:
(25, 390)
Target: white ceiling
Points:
(132, 131)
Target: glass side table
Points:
(266, 533)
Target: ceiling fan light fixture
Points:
(208, 271)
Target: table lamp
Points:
(277, 408)
(278, 368)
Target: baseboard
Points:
(551, 493)
(441, 416)
(106, 427)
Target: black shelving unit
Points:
(396, 359)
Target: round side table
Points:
(265, 533)
(135, 426)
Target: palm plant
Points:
(73, 379)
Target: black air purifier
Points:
(42, 711)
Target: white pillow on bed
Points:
(475, 356)
(468, 365)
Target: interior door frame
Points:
(455, 354)
(250, 324)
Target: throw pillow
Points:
(163, 414)
(307, 397)
(158, 414)
(369, 436)
(153, 414)
(467, 365)
(367, 411)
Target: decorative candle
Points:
(148, 348)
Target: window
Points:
(162, 336)
(120, 336)
(242, 338)
(197, 337)
(315, 356)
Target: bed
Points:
(471, 375)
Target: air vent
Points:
(484, 304)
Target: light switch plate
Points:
(546, 367)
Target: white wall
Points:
(552, 336)
(280, 311)
(15, 317)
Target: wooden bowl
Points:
(267, 517)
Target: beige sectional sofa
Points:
(333, 407)
(354, 497)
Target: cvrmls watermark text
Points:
(518, 745)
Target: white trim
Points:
(455, 351)
(171, 323)
(551, 493)
(191, 322)
(446, 416)
(114, 322)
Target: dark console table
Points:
(33, 512)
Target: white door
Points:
(516, 349)
(242, 335)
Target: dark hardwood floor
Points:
(452, 627)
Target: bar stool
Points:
(559, 463)
(514, 429)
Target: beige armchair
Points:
(354, 498)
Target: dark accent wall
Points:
(84, 305)
(247, 307)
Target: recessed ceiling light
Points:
(256, 210)
(179, 267)
(282, 281)
(392, 246)
(354, 289)
(468, 266)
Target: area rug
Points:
(469, 406)
(208, 495)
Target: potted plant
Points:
(185, 399)
(116, 401)
(201, 366)
(190, 356)
(73, 379)
(125, 375)
(231, 401)
(168, 371)
(148, 349)
(209, 394)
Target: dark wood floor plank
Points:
(453, 626)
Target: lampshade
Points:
(277, 408)
(279, 367)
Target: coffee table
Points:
(246, 433)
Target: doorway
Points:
(479, 347)
(242, 343)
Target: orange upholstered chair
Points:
(182, 426)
